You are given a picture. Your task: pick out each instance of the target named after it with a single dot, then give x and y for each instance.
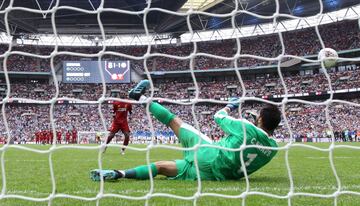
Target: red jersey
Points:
(74, 136)
(42, 135)
(68, 136)
(37, 137)
(58, 135)
(121, 110)
(51, 136)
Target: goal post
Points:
(86, 137)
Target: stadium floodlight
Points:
(200, 5)
(298, 10)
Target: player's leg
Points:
(166, 117)
(110, 137)
(124, 127)
(166, 168)
(126, 141)
(158, 111)
(188, 135)
(113, 130)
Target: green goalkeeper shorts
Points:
(189, 137)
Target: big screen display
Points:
(88, 71)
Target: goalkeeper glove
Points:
(234, 103)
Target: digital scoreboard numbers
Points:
(88, 71)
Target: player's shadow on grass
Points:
(264, 179)
(134, 180)
(278, 180)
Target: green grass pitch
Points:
(28, 174)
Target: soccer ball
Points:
(327, 53)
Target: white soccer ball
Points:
(327, 53)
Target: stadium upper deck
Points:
(341, 36)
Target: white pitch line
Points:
(328, 157)
(205, 189)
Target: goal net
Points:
(196, 101)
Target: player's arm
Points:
(229, 124)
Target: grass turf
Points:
(28, 174)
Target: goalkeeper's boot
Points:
(136, 92)
(108, 175)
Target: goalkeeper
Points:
(213, 163)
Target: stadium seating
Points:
(31, 118)
(339, 36)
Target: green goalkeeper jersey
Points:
(227, 164)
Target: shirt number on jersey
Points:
(251, 158)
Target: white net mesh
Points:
(235, 59)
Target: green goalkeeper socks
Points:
(161, 113)
(141, 172)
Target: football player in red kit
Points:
(67, 137)
(74, 136)
(120, 121)
(58, 137)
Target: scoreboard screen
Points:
(88, 71)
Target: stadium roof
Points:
(349, 13)
(297, 8)
(70, 21)
(200, 5)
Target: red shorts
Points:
(115, 127)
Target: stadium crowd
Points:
(262, 85)
(31, 122)
(339, 36)
(72, 122)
